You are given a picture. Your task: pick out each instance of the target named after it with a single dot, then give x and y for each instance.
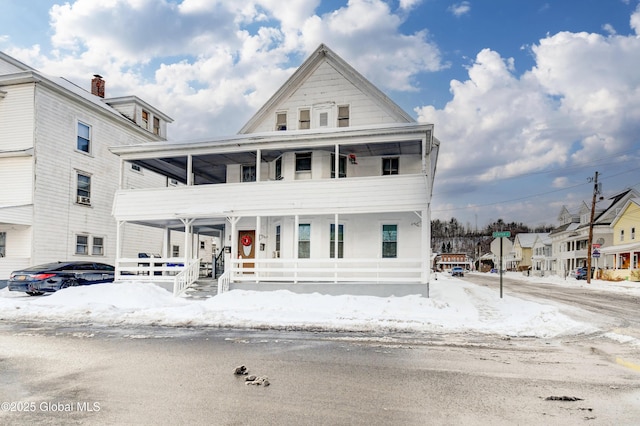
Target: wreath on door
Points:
(246, 240)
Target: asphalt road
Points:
(164, 376)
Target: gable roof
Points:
(320, 55)
(624, 209)
(526, 240)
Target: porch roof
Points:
(210, 156)
(621, 248)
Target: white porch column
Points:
(188, 238)
(166, 243)
(119, 225)
(336, 162)
(426, 246)
(258, 164)
(234, 243)
(258, 233)
(189, 170)
(121, 181)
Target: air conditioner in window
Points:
(276, 254)
(83, 200)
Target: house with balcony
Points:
(326, 188)
(621, 258)
(59, 178)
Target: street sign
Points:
(502, 234)
(595, 254)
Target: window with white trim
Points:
(156, 126)
(633, 233)
(622, 235)
(248, 173)
(343, 116)
(278, 170)
(145, 119)
(97, 246)
(84, 138)
(82, 244)
(281, 121)
(390, 166)
(389, 241)
(304, 119)
(175, 251)
(83, 188)
(304, 241)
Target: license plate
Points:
(20, 277)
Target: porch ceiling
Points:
(211, 168)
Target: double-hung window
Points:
(82, 244)
(389, 240)
(281, 121)
(343, 116)
(304, 241)
(304, 119)
(97, 246)
(248, 173)
(83, 188)
(84, 138)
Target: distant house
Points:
(542, 260)
(570, 240)
(523, 250)
(623, 255)
(328, 183)
(447, 261)
(59, 178)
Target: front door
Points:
(247, 247)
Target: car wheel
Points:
(35, 293)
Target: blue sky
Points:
(529, 97)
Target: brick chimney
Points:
(97, 86)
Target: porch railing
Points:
(170, 271)
(327, 270)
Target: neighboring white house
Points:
(329, 182)
(542, 260)
(59, 178)
(570, 239)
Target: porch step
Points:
(202, 289)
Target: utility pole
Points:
(593, 212)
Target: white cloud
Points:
(635, 20)
(578, 108)
(460, 9)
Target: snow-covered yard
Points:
(454, 306)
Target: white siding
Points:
(16, 177)
(326, 85)
(7, 68)
(17, 118)
(57, 216)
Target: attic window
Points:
(304, 121)
(145, 119)
(156, 126)
(281, 121)
(343, 116)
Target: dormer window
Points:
(156, 126)
(281, 121)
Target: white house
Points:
(59, 178)
(541, 258)
(328, 183)
(570, 240)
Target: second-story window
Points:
(622, 235)
(343, 116)
(249, 173)
(156, 126)
(281, 121)
(304, 120)
(83, 189)
(303, 162)
(390, 166)
(633, 233)
(84, 138)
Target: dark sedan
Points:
(51, 277)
